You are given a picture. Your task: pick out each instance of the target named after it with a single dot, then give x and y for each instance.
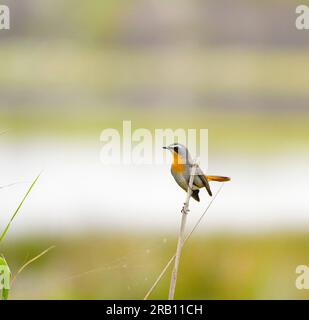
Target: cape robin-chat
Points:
(181, 171)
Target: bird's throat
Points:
(178, 163)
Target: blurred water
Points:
(78, 193)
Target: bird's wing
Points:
(201, 175)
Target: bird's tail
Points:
(195, 195)
(218, 178)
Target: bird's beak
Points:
(165, 147)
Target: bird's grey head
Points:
(181, 150)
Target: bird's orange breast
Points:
(178, 163)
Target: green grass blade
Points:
(18, 208)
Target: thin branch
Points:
(159, 277)
(31, 261)
(12, 184)
(204, 213)
(184, 211)
(186, 239)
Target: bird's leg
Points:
(185, 208)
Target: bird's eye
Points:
(176, 149)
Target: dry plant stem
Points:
(10, 185)
(184, 211)
(31, 261)
(186, 239)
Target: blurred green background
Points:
(69, 69)
(121, 266)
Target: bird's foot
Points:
(184, 210)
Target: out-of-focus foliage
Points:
(149, 22)
(239, 68)
(125, 266)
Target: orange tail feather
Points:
(218, 178)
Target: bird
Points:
(181, 171)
